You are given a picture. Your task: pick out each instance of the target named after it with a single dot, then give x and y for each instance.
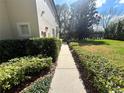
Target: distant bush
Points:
(115, 30)
(102, 75)
(48, 47)
(74, 44)
(18, 69)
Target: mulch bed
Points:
(26, 83)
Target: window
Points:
(53, 32)
(57, 31)
(46, 29)
(24, 29)
(42, 33)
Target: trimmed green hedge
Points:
(18, 69)
(102, 75)
(40, 86)
(48, 47)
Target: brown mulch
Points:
(31, 79)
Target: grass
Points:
(111, 49)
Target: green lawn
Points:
(111, 49)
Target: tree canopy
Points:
(77, 19)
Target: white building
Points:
(28, 18)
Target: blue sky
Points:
(64, 1)
(102, 5)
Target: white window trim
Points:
(19, 29)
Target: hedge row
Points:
(19, 69)
(40, 86)
(102, 75)
(48, 47)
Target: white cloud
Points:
(121, 1)
(71, 1)
(99, 3)
(116, 18)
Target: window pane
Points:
(24, 29)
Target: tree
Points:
(77, 20)
(120, 30)
(111, 31)
(83, 13)
(64, 15)
(115, 30)
(107, 17)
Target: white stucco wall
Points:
(47, 19)
(23, 11)
(13, 12)
(5, 31)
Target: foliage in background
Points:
(64, 15)
(48, 47)
(101, 74)
(79, 19)
(115, 30)
(84, 16)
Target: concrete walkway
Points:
(66, 78)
